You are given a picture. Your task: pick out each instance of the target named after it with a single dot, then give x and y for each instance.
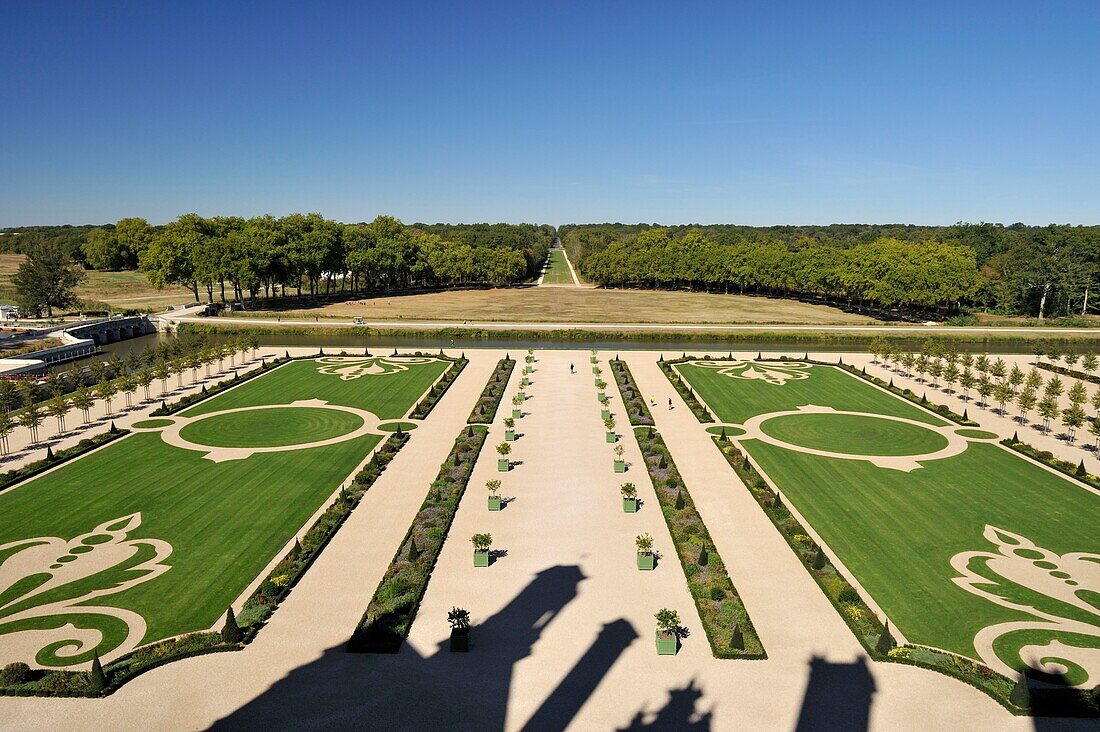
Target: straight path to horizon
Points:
(559, 271)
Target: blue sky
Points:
(738, 112)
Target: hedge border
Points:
(719, 637)
(383, 630)
(1063, 371)
(636, 410)
(14, 476)
(493, 392)
(1064, 467)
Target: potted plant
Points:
(517, 400)
(609, 425)
(602, 397)
(459, 620)
(668, 632)
(593, 359)
(481, 543)
(504, 449)
(596, 371)
(630, 497)
(620, 464)
(509, 429)
(646, 558)
(605, 413)
(494, 499)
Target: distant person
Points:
(670, 402)
(570, 368)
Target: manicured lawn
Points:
(389, 396)
(558, 271)
(224, 521)
(897, 532)
(735, 400)
(853, 434)
(271, 427)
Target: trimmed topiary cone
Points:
(885, 640)
(1021, 693)
(819, 559)
(724, 437)
(965, 417)
(704, 556)
(49, 453)
(1015, 437)
(1081, 472)
(737, 638)
(231, 632)
(97, 678)
(296, 550)
(414, 550)
(113, 429)
(679, 500)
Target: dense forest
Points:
(232, 257)
(1017, 269)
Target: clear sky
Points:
(735, 112)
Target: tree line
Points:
(996, 383)
(1017, 269)
(27, 403)
(270, 256)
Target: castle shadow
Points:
(838, 696)
(442, 690)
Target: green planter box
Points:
(610, 436)
(481, 559)
(602, 397)
(596, 370)
(524, 382)
(593, 359)
(620, 466)
(494, 503)
(597, 381)
(666, 645)
(510, 435)
(516, 414)
(460, 640)
(605, 414)
(527, 369)
(503, 465)
(646, 561)
(630, 505)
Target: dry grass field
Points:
(122, 290)
(578, 305)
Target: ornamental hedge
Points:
(485, 411)
(725, 620)
(633, 402)
(391, 611)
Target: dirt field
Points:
(123, 290)
(579, 306)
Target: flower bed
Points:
(391, 610)
(1045, 457)
(633, 401)
(720, 607)
(485, 411)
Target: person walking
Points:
(670, 402)
(571, 368)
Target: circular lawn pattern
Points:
(394, 426)
(275, 427)
(976, 434)
(853, 434)
(152, 424)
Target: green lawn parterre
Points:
(224, 521)
(557, 273)
(897, 532)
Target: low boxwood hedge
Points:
(485, 411)
(633, 402)
(390, 613)
(720, 607)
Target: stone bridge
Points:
(108, 330)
